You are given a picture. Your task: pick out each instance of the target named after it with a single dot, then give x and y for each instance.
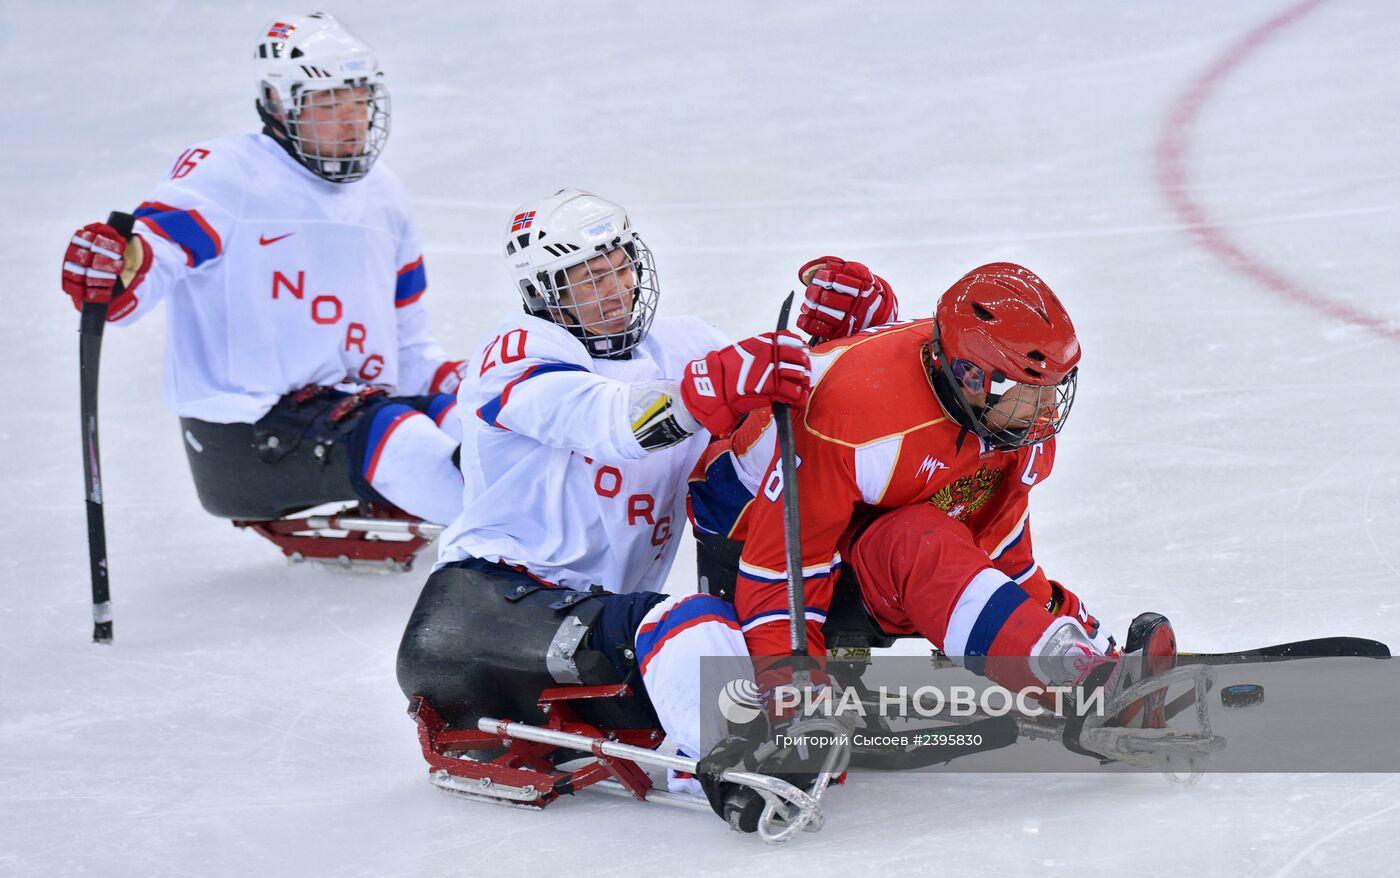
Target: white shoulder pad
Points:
(521, 341)
(215, 169)
(534, 379)
(675, 341)
(196, 207)
(390, 189)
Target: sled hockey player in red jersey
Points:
(916, 455)
(584, 417)
(299, 356)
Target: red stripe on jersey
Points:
(189, 257)
(510, 385)
(753, 597)
(161, 207)
(442, 415)
(684, 626)
(208, 230)
(383, 441)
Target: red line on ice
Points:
(1172, 177)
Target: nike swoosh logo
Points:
(265, 241)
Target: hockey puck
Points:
(1242, 695)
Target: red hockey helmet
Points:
(1004, 356)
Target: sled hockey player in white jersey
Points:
(582, 419)
(579, 429)
(299, 356)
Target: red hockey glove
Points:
(842, 298)
(96, 257)
(1064, 602)
(719, 387)
(448, 377)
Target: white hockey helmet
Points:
(578, 262)
(315, 61)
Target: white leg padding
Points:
(411, 466)
(671, 642)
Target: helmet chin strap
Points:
(599, 347)
(277, 129)
(956, 406)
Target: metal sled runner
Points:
(365, 535)
(521, 765)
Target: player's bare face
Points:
(600, 292)
(334, 124)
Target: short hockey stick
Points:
(94, 320)
(1322, 647)
(792, 523)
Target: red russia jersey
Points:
(875, 437)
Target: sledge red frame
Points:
(524, 774)
(350, 535)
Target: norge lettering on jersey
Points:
(277, 280)
(554, 479)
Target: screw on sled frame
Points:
(520, 765)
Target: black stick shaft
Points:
(1322, 647)
(89, 358)
(792, 522)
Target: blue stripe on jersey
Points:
(492, 410)
(1011, 545)
(413, 280)
(748, 573)
(1024, 573)
(185, 228)
(694, 607)
(441, 403)
(995, 612)
(384, 418)
(811, 614)
(716, 502)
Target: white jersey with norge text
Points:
(277, 279)
(554, 479)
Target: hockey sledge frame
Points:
(525, 766)
(1173, 750)
(362, 535)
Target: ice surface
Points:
(1232, 460)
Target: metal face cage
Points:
(337, 133)
(608, 301)
(1005, 414)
